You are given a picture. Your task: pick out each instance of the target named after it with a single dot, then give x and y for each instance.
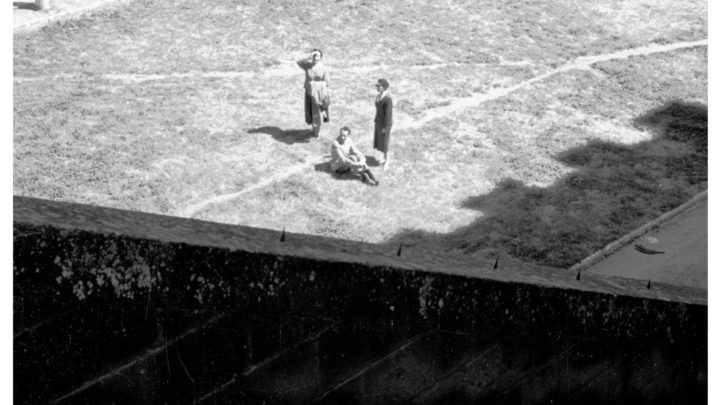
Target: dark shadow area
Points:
(325, 168)
(371, 161)
(287, 136)
(613, 190)
(26, 6)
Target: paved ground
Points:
(683, 241)
(27, 17)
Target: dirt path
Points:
(310, 161)
(581, 63)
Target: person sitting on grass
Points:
(346, 157)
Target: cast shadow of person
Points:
(287, 136)
(371, 161)
(26, 5)
(325, 168)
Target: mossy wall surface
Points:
(97, 290)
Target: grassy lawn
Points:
(194, 109)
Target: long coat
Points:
(383, 123)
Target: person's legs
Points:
(386, 149)
(308, 109)
(316, 118)
(361, 171)
(344, 168)
(365, 178)
(371, 176)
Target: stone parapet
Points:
(98, 291)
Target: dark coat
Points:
(383, 123)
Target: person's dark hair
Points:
(346, 129)
(317, 50)
(383, 83)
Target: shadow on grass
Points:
(288, 136)
(371, 161)
(26, 6)
(613, 190)
(325, 168)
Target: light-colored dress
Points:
(315, 79)
(316, 89)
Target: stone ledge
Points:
(161, 228)
(626, 239)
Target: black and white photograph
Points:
(358, 202)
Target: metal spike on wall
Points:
(495, 265)
(577, 277)
(649, 285)
(399, 250)
(282, 236)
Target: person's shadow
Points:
(325, 168)
(26, 6)
(371, 161)
(288, 136)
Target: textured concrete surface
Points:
(124, 307)
(680, 252)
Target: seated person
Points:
(345, 156)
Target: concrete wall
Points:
(128, 307)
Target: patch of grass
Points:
(613, 190)
(192, 35)
(94, 134)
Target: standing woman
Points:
(316, 92)
(383, 119)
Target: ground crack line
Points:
(191, 210)
(580, 63)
